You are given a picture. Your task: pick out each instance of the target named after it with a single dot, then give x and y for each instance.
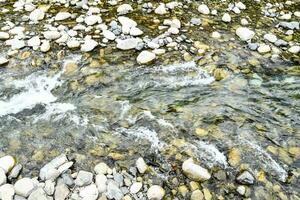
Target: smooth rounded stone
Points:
(270, 37)
(155, 192)
(109, 35)
(37, 15)
(119, 178)
(124, 9)
(172, 23)
(286, 16)
(203, 9)
(51, 168)
(62, 16)
(45, 46)
(38, 194)
(101, 181)
(88, 45)
(101, 168)
(24, 187)
(145, 57)
(173, 30)
(141, 165)
(89, 192)
(216, 35)
(159, 51)
(84, 178)
(73, 43)
(289, 25)
(3, 61)
(127, 22)
(196, 21)
(64, 167)
(294, 49)
(68, 179)
(226, 18)
(244, 33)
(130, 43)
(15, 43)
(16, 170)
(61, 192)
(4, 36)
(113, 191)
(2, 177)
(92, 20)
(245, 178)
(7, 163)
(197, 195)
(134, 31)
(253, 46)
(194, 171)
(241, 190)
(161, 9)
(34, 42)
(244, 22)
(52, 35)
(7, 192)
(49, 187)
(297, 13)
(264, 48)
(136, 187)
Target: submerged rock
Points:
(245, 178)
(194, 171)
(155, 192)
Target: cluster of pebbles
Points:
(57, 180)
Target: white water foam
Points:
(57, 109)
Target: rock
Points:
(234, 157)
(45, 46)
(84, 178)
(195, 172)
(294, 49)
(134, 31)
(4, 36)
(38, 194)
(109, 35)
(155, 192)
(145, 57)
(14, 173)
(119, 178)
(49, 187)
(241, 190)
(207, 194)
(197, 195)
(7, 163)
(61, 192)
(113, 191)
(3, 61)
(47, 171)
(203, 9)
(101, 168)
(216, 35)
(15, 43)
(89, 192)
(64, 167)
(196, 21)
(135, 187)
(68, 179)
(62, 16)
(52, 35)
(244, 22)
(173, 30)
(37, 15)
(161, 9)
(124, 9)
(2, 177)
(34, 42)
(280, 43)
(7, 192)
(244, 33)
(226, 17)
(141, 165)
(127, 44)
(73, 43)
(270, 37)
(101, 181)
(126, 23)
(24, 187)
(92, 20)
(88, 45)
(263, 48)
(245, 178)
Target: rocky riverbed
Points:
(149, 100)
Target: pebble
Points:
(244, 22)
(241, 190)
(88, 45)
(34, 42)
(113, 191)
(155, 192)
(2, 177)
(216, 35)
(141, 165)
(4, 36)
(92, 20)
(197, 195)
(245, 178)
(294, 49)
(244, 33)
(226, 17)
(130, 43)
(101, 181)
(7, 163)
(37, 15)
(89, 192)
(24, 187)
(15, 43)
(49, 187)
(134, 31)
(196, 21)
(51, 35)
(101, 168)
(62, 16)
(203, 9)
(61, 192)
(38, 194)
(124, 9)
(194, 171)
(73, 43)
(45, 46)
(270, 37)
(173, 30)
(3, 61)
(145, 57)
(136, 187)
(84, 178)
(109, 35)
(161, 9)
(7, 192)
(264, 48)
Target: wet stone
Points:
(24, 187)
(84, 178)
(113, 190)
(245, 178)
(61, 192)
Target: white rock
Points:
(155, 192)
(172, 23)
(203, 9)
(89, 192)
(7, 192)
(173, 30)
(141, 165)
(297, 13)
(241, 189)
(134, 31)
(92, 19)
(15, 43)
(145, 57)
(241, 5)
(64, 167)
(84, 178)
(24, 187)
(18, 30)
(135, 187)
(3, 60)
(45, 46)
(294, 49)
(124, 9)
(127, 22)
(159, 51)
(61, 192)
(51, 35)
(270, 37)
(194, 171)
(49, 187)
(63, 38)
(62, 16)
(286, 16)
(88, 45)
(38, 194)
(109, 35)
(34, 42)
(2, 177)
(101, 168)
(216, 35)
(153, 45)
(4, 36)
(244, 22)
(161, 9)
(73, 43)
(37, 15)
(127, 44)
(101, 181)
(244, 33)
(264, 48)
(226, 17)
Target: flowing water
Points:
(120, 112)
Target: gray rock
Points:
(280, 43)
(289, 25)
(196, 21)
(253, 46)
(53, 164)
(245, 178)
(61, 192)
(119, 179)
(24, 187)
(145, 57)
(84, 178)
(113, 191)
(14, 173)
(63, 168)
(68, 179)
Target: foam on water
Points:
(55, 109)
